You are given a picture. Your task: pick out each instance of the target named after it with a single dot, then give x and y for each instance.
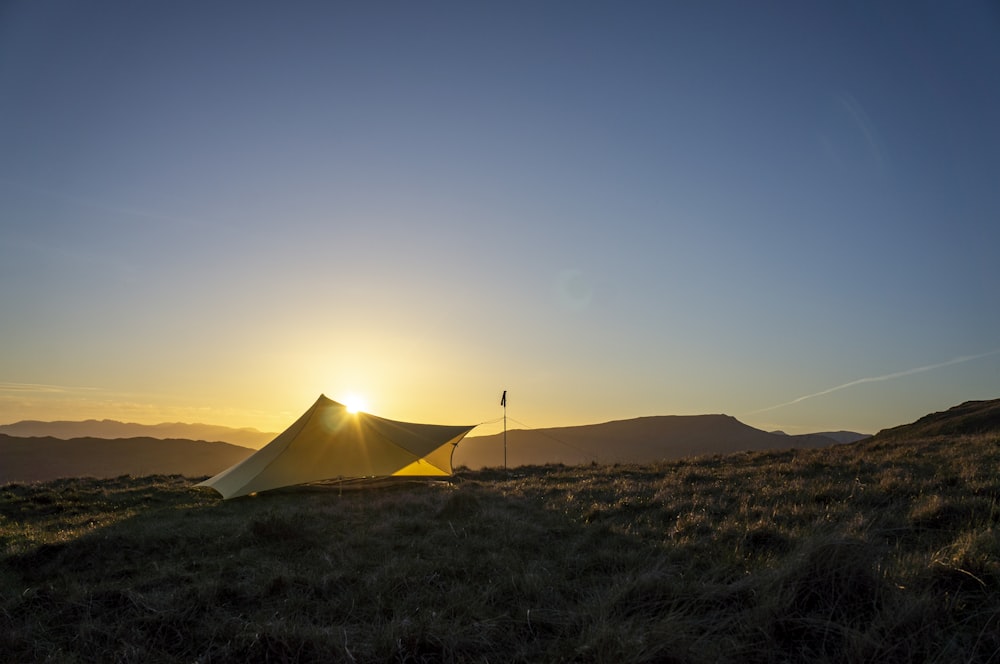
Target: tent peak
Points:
(327, 401)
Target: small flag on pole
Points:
(503, 399)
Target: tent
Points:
(328, 442)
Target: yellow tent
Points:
(328, 442)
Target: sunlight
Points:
(355, 403)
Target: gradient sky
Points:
(215, 211)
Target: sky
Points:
(788, 212)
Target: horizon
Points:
(519, 426)
(492, 425)
(213, 214)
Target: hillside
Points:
(64, 429)
(41, 459)
(639, 440)
(848, 553)
(969, 418)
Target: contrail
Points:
(879, 379)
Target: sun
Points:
(355, 403)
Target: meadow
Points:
(884, 550)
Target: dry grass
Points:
(886, 551)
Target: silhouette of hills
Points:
(59, 453)
(971, 417)
(838, 436)
(844, 436)
(638, 440)
(245, 437)
(47, 458)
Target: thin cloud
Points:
(101, 206)
(879, 379)
(42, 388)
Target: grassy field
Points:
(874, 552)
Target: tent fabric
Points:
(328, 442)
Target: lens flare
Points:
(355, 403)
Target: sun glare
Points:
(354, 403)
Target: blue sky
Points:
(215, 211)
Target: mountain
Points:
(245, 437)
(836, 436)
(844, 436)
(637, 440)
(43, 459)
(971, 417)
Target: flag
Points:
(503, 399)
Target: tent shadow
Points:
(339, 486)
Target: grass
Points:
(879, 551)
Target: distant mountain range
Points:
(836, 436)
(48, 458)
(57, 449)
(45, 455)
(245, 437)
(638, 440)
(107, 448)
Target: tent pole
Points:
(503, 402)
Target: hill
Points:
(969, 418)
(638, 440)
(64, 429)
(41, 459)
(836, 436)
(849, 553)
